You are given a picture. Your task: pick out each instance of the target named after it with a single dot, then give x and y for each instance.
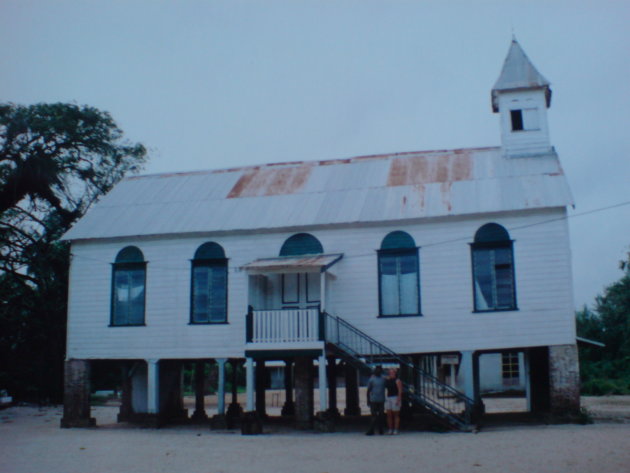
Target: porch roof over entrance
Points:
(293, 264)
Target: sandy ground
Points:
(31, 441)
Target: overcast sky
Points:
(214, 84)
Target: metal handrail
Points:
(424, 388)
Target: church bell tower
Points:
(521, 95)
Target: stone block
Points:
(76, 396)
(564, 380)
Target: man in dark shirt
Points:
(376, 400)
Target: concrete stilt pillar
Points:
(303, 375)
(170, 397)
(479, 405)
(234, 410)
(125, 413)
(289, 406)
(466, 372)
(469, 370)
(153, 386)
(528, 385)
(352, 392)
(261, 388)
(332, 386)
(76, 396)
(249, 377)
(323, 384)
(221, 387)
(221, 420)
(200, 387)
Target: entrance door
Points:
(300, 290)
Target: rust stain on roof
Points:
(242, 183)
(406, 169)
(420, 189)
(258, 181)
(441, 172)
(427, 168)
(445, 190)
(462, 167)
(249, 169)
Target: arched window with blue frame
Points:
(494, 288)
(398, 276)
(128, 288)
(209, 284)
(300, 290)
(301, 244)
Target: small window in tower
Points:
(517, 120)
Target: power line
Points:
(425, 245)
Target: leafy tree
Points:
(56, 160)
(613, 308)
(607, 370)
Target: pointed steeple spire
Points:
(518, 73)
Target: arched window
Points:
(301, 290)
(128, 287)
(301, 244)
(209, 284)
(399, 275)
(493, 269)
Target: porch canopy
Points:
(293, 264)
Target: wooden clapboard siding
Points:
(543, 285)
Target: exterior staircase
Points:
(446, 404)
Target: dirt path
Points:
(31, 441)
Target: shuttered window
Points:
(128, 288)
(209, 284)
(399, 278)
(494, 287)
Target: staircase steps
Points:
(447, 405)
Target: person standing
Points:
(394, 388)
(376, 400)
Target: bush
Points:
(606, 386)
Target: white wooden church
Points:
(425, 260)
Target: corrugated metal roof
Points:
(365, 189)
(518, 73)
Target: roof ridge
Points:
(318, 162)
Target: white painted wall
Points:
(543, 285)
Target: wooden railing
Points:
(362, 351)
(284, 326)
